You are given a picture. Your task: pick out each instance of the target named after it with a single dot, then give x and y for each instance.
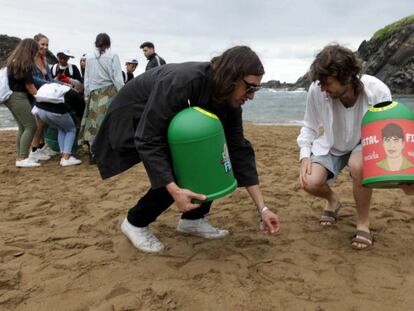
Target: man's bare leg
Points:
(362, 196)
(317, 186)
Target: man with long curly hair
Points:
(337, 100)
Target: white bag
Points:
(52, 93)
(5, 91)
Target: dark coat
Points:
(154, 61)
(128, 76)
(136, 124)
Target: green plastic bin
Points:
(199, 153)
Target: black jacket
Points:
(128, 76)
(136, 124)
(154, 61)
(73, 73)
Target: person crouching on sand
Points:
(337, 100)
(135, 129)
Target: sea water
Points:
(272, 106)
(269, 106)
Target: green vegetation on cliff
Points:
(391, 27)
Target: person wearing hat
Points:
(131, 65)
(70, 75)
(65, 72)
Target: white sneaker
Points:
(27, 163)
(70, 161)
(201, 227)
(48, 151)
(38, 155)
(142, 238)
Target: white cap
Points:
(65, 52)
(131, 61)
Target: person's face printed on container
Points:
(393, 147)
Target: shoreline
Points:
(14, 129)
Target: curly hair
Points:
(21, 59)
(232, 66)
(339, 62)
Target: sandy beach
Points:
(61, 247)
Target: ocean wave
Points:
(286, 90)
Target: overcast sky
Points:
(285, 33)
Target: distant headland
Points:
(388, 55)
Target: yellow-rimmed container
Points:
(199, 153)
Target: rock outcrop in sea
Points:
(388, 55)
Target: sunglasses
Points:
(251, 88)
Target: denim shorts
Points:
(334, 164)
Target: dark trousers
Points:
(76, 103)
(154, 202)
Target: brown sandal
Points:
(330, 217)
(368, 240)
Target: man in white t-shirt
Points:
(337, 100)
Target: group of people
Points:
(28, 72)
(154, 60)
(85, 100)
(133, 129)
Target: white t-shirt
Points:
(346, 126)
(319, 114)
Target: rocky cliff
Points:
(388, 55)
(7, 44)
(276, 84)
